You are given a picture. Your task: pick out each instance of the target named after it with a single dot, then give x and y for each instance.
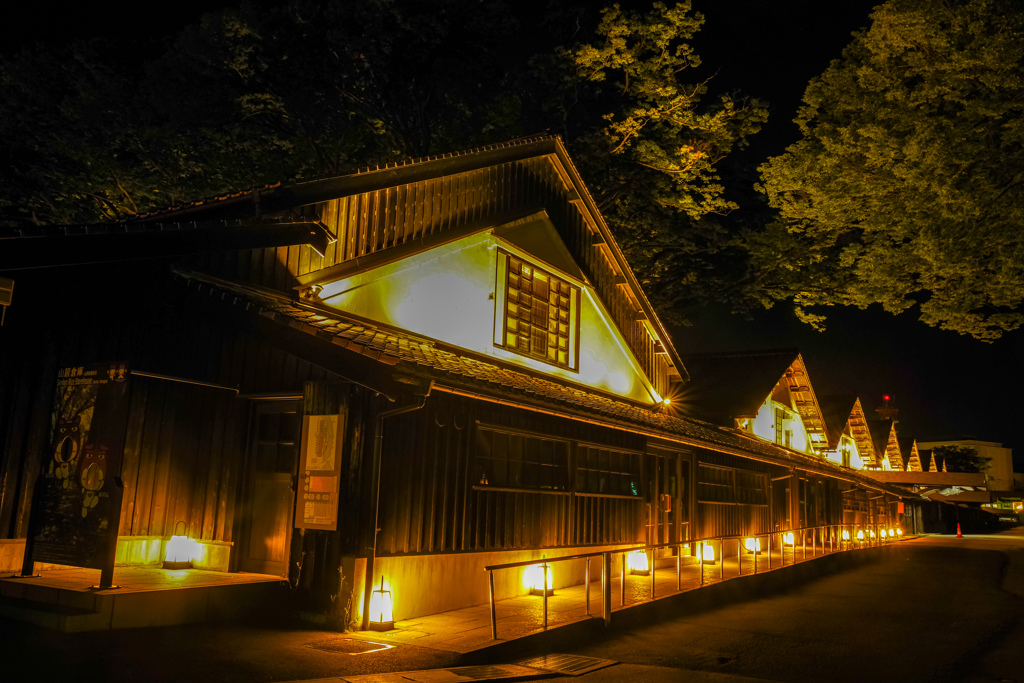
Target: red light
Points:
(885, 398)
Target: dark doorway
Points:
(270, 492)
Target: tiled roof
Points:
(312, 184)
(476, 376)
(733, 385)
(836, 410)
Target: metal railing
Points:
(822, 539)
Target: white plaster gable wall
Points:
(448, 294)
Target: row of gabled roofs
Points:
(733, 388)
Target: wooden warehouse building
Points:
(404, 374)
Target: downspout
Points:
(419, 400)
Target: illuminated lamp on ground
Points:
(708, 553)
(788, 538)
(899, 531)
(860, 535)
(637, 563)
(752, 545)
(872, 533)
(846, 535)
(883, 533)
(382, 616)
(891, 534)
(540, 579)
(179, 551)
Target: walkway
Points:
(469, 630)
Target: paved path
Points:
(933, 609)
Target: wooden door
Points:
(270, 490)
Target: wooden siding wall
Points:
(731, 519)
(184, 448)
(374, 221)
(429, 503)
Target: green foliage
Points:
(250, 96)
(960, 458)
(652, 160)
(907, 187)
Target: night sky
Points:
(945, 385)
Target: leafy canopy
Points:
(907, 187)
(251, 95)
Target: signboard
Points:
(316, 505)
(77, 506)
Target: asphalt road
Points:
(931, 609)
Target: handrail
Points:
(833, 532)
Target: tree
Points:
(907, 187)
(960, 458)
(652, 157)
(251, 95)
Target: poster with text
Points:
(319, 472)
(80, 508)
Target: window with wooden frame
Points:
(520, 461)
(608, 472)
(536, 314)
(717, 484)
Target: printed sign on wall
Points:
(80, 509)
(319, 472)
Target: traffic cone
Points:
(958, 534)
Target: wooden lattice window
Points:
(538, 314)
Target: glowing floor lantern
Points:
(538, 578)
(899, 531)
(788, 538)
(382, 616)
(860, 535)
(883, 533)
(708, 553)
(846, 535)
(638, 564)
(872, 533)
(891, 534)
(179, 550)
(752, 545)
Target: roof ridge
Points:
(359, 170)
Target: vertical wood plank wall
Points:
(429, 503)
(185, 454)
(369, 222)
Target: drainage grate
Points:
(348, 646)
(571, 665)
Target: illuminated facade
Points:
(382, 382)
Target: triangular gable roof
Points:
(469, 187)
(842, 411)
(883, 434)
(836, 410)
(730, 386)
(911, 456)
